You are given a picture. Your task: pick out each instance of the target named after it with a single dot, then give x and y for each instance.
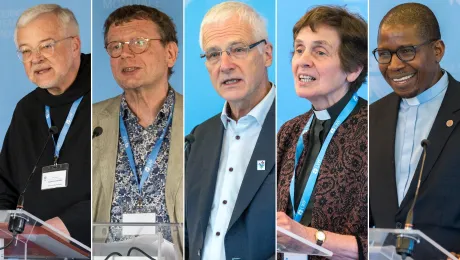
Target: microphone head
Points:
(190, 138)
(97, 131)
(53, 130)
(425, 143)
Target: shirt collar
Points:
(259, 112)
(430, 93)
(333, 111)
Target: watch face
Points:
(320, 235)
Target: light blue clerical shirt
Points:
(239, 141)
(415, 119)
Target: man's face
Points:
(318, 75)
(410, 78)
(147, 69)
(237, 80)
(48, 72)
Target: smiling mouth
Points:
(306, 78)
(403, 78)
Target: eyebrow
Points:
(213, 48)
(316, 43)
(44, 40)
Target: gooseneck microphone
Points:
(405, 244)
(97, 132)
(17, 222)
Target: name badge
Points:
(55, 176)
(139, 230)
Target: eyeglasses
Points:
(45, 49)
(238, 51)
(405, 53)
(137, 45)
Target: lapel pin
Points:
(261, 165)
(449, 123)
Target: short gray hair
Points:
(226, 10)
(65, 16)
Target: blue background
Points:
(15, 84)
(104, 85)
(201, 100)
(289, 12)
(447, 12)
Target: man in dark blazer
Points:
(425, 104)
(230, 166)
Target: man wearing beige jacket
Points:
(138, 136)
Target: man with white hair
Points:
(59, 190)
(229, 172)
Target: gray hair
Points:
(226, 10)
(65, 16)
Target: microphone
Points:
(405, 244)
(97, 132)
(189, 139)
(16, 223)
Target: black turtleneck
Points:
(23, 142)
(315, 137)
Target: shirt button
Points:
(225, 202)
(217, 233)
(230, 169)
(237, 137)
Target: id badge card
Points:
(139, 230)
(55, 176)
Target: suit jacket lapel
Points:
(265, 149)
(209, 170)
(439, 135)
(107, 142)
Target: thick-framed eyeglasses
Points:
(137, 45)
(238, 51)
(405, 53)
(46, 49)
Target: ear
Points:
(268, 54)
(76, 46)
(171, 53)
(439, 50)
(352, 76)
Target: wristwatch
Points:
(320, 237)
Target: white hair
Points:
(226, 10)
(66, 17)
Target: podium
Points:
(382, 245)
(298, 246)
(38, 240)
(137, 241)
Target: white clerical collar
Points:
(322, 114)
(430, 93)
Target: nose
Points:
(305, 60)
(395, 63)
(126, 52)
(37, 57)
(226, 63)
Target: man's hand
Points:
(57, 223)
(456, 255)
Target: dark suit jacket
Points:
(251, 231)
(437, 209)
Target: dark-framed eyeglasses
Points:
(137, 45)
(46, 49)
(238, 51)
(404, 53)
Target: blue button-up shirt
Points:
(415, 119)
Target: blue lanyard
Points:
(152, 157)
(316, 167)
(65, 128)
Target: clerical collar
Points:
(430, 93)
(333, 111)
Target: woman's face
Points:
(318, 75)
